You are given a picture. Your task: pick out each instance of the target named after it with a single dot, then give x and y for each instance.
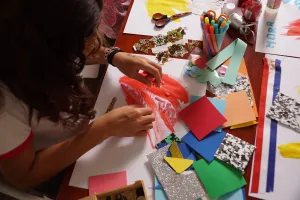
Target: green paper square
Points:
(218, 178)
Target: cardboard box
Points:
(135, 191)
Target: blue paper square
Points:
(206, 147)
(238, 194)
(159, 193)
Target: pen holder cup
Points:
(212, 43)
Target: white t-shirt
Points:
(16, 133)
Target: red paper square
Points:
(202, 117)
(106, 182)
(200, 62)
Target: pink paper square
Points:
(106, 182)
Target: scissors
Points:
(161, 20)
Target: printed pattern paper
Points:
(242, 83)
(168, 140)
(286, 110)
(235, 151)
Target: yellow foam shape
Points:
(166, 7)
(175, 151)
(244, 125)
(291, 150)
(178, 164)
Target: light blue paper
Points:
(235, 195)
(159, 193)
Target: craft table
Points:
(254, 63)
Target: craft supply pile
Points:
(193, 151)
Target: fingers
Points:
(142, 79)
(157, 66)
(154, 72)
(147, 119)
(145, 111)
(140, 133)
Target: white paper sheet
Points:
(270, 31)
(118, 154)
(139, 23)
(287, 170)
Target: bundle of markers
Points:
(214, 30)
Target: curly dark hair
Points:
(41, 54)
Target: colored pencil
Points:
(206, 29)
(213, 38)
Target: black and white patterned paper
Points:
(286, 110)
(242, 83)
(235, 151)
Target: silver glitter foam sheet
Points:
(286, 110)
(235, 151)
(176, 186)
(242, 83)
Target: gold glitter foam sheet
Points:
(176, 186)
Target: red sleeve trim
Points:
(18, 149)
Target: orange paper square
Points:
(238, 109)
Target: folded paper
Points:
(179, 164)
(202, 117)
(176, 186)
(286, 110)
(218, 178)
(206, 147)
(235, 151)
(236, 51)
(238, 109)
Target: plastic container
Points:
(212, 43)
(273, 6)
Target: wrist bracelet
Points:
(110, 53)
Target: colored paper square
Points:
(202, 117)
(159, 193)
(238, 194)
(218, 178)
(220, 105)
(238, 109)
(206, 147)
(107, 182)
(235, 151)
(168, 140)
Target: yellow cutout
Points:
(175, 151)
(244, 125)
(178, 164)
(298, 89)
(291, 150)
(166, 7)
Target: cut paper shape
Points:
(238, 109)
(106, 182)
(242, 83)
(175, 151)
(204, 75)
(168, 140)
(235, 151)
(286, 111)
(244, 125)
(202, 117)
(298, 89)
(176, 186)
(206, 147)
(179, 164)
(200, 62)
(291, 150)
(236, 51)
(293, 29)
(164, 107)
(218, 178)
(238, 194)
(167, 7)
(220, 104)
(184, 149)
(159, 193)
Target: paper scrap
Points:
(202, 117)
(176, 186)
(159, 193)
(286, 110)
(184, 149)
(291, 150)
(236, 51)
(107, 182)
(235, 151)
(204, 75)
(218, 178)
(242, 83)
(238, 194)
(244, 125)
(175, 151)
(238, 109)
(206, 147)
(179, 164)
(168, 140)
(200, 62)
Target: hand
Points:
(129, 121)
(130, 65)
